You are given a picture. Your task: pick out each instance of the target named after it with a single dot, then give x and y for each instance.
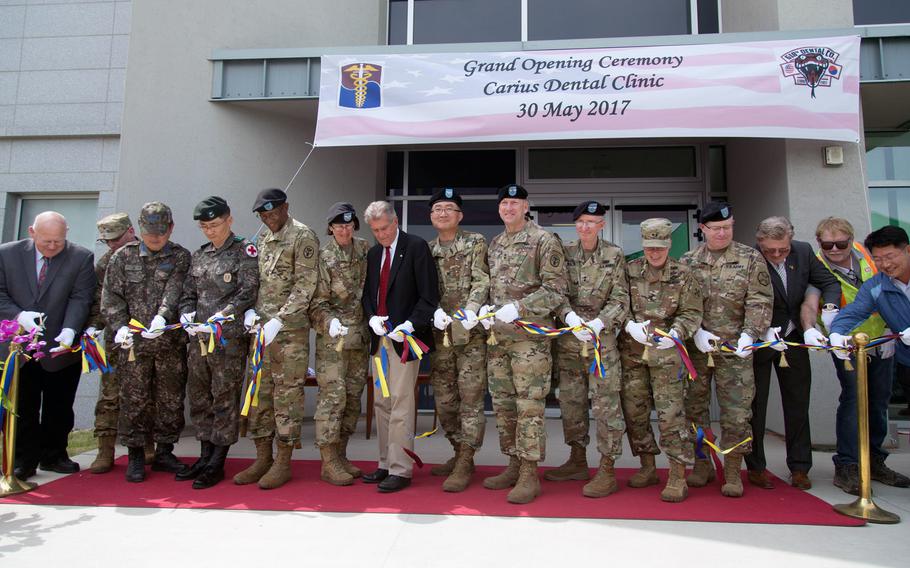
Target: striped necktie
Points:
(782, 272)
(42, 274)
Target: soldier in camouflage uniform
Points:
(599, 298)
(527, 280)
(737, 295)
(459, 369)
(664, 296)
(143, 282)
(337, 315)
(222, 282)
(288, 272)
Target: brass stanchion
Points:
(9, 483)
(864, 507)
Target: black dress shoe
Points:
(60, 465)
(394, 483)
(376, 476)
(23, 472)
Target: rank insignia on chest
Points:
(250, 251)
(734, 265)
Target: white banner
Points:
(805, 88)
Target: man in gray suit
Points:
(47, 277)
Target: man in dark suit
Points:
(47, 277)
(792, 266)
(401, 293)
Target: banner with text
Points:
(805, 88)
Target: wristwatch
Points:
(829, 306)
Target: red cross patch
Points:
(251, 251)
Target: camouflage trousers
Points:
(655, 384)
(152, 389)
(459, 379)
(573, 396)
(519, 375)
(341, 377)
(284, 369)
(214, 389)
(734, 383)
(107, 408)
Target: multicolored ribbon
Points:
(215, 325)
(6, 382)
(136, 326)
(93, 356)
(706, 438)
(597, 368)
(381, 363)
(687, 368)
(252, 392)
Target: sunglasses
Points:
(828, 245)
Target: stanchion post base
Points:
(12, 485)
(868, 510)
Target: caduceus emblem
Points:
(361, 86)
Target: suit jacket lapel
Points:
(790, 265)
(399, 254)
(28, 260)
(776, 281)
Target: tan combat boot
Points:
(733, 481)
(646, 474)
(527, 488)
(332, 471)
(604, 482)
(352, 469)
(702, 473)
(259, 467)
(280, 472)
(104, 461)
(676, 489)
(507, 478)
(460, 477)
(447, 467)
(149, 451)
(576, 467)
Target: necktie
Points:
(42, 274)
(782, 272)
(384, 282)
(851, 276)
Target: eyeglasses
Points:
(206, 227)
(342, 226)
(587, 224)
(781, 250)
(444, 210)
(718, 228)
(828, 245)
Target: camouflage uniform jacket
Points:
(736, 290)
(339, 291)
(464, 277)
(94, 316)
(288, 274)
(528, 268)
(222, 280)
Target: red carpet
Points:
(783, 505)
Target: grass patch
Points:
(81, 441)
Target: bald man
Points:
(47, 280)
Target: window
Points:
(890, 206)
(871, 12)
(888, 170)
(578, 19)
(80, 212)
(456, 21)
(611, 163)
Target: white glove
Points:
(666, 342)
(703, 339)
(187, 319)
(507, 314)
(470, 320)
(572, 320)
(773, 334)
(217, 315)
(91, 331)
(887, 350)
(814, 337)
(376, 323)
(828, 317)
(250, 317)
(905, 336)
(271, 329)
(123, 337)
(486, 323)
(838, 340)
(29, 320)
(596, 325)
(336, 329)
(745, 340)
(397, 333)
(637, 331)
(155, 329)
(441, 319)
(65, 340)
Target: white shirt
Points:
(39, 262)
(391, 253)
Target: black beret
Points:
(446, 194)
(588, 208)
(210, 208)
(512, 191)
(269, 199)
(715, 211)
(342, 212)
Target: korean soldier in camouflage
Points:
(222, 282)
(664, 295)
(527, 281)
(144, 281)
(337, 315)
(288, 273)
(598, 297)
(459, 373)
(738, 300)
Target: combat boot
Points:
(604, 482)
(262, 464)
(507, 478)
(460, 477)
(352, 469)
(576, 467)
(149, 451)
(280, 472)
(527, 488)
(165, 460)
(104, 461)
(702, 473)
(676, 489)
(192, 472)
(733, 481)
(646, 474)
(332, 471)
(213, 472)
(446, 468)
(135, 470)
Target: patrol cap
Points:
(715, 211)
(113, 226)
(155, 218)
(446, 194)
(342, 212)
(269, 199)
(588, 208)
(656, 232)
(512, 191)
(210, 208)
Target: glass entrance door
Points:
(627, 220)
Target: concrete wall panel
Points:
(10, 53)
(60, 114)
(82, 86)
(91, 52)
(79, 19)
(12, 21)
(66, 155)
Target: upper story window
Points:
(871, 12)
